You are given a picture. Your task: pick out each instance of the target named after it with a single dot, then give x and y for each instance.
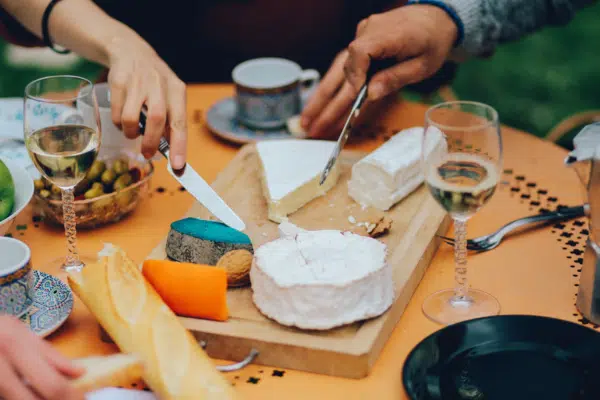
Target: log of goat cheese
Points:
(391, 172)
(321, 279)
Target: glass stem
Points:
(461, 290)
(69, 218)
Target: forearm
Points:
(78, 25)
(491, 22)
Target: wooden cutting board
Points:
(348, 351)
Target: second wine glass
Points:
(462, 160)
(63, 152)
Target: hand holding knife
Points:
(197, 186)
(374, 67)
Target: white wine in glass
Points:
(62, 152)
(462, 160)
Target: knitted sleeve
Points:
(488, 23)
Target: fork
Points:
(491, 241)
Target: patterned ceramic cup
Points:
(16, 277)
(271, 90)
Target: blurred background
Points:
(534, 83)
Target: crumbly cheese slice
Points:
(291, 170)
(392, 171)
(321, 279)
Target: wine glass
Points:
(61, 150)
(462, 161)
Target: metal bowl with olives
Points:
(112, 188)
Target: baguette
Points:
(107, 371)
(139, 322)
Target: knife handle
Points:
(163, 146)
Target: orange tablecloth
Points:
(533, 273)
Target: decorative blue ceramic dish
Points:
(52, 304)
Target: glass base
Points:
(445, 308)
(58, 268)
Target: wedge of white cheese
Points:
(321, 279)
(291, 169)
(392, 171)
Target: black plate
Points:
(509, 357)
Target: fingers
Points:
(11, 386)
(61, 363)
(177, 124)
(400, 45)
(336, 109)
(118, 93)
(395, 78)
(41, 376)
(156, 119)
(327, 88)
(131, 110)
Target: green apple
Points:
(7, 192)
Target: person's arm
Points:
(488, 23)
(137, 74)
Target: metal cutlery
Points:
(375, 66)
(491, 241)
(197, 186)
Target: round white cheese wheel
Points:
(321, 279)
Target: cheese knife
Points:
(196, 185)
(374, 67)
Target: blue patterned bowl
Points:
(52, 304)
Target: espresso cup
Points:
(271, 90)
(113, 140)
(16, 277)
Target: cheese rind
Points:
(291, 170)
(321, 279)
(392, 171)
(200, 241)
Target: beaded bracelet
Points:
(45, 30)
(451, 13)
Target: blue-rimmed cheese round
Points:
(201, 241)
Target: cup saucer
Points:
(221, 121)
(52, 304)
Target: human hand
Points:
(328, 107)
(30, 368)
(139, 76)
(420, 37)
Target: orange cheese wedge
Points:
(190, 290)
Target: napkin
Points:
(120, 394)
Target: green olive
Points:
(103, 205)
(38, 184)
(120, 166)
(93, 192)
(96, 170)
(122, 182)
(97, 186)
(109, 176)
(124, 199)
(55, 190)
(45, 193)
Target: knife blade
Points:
(196, 185)
(375, 66)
